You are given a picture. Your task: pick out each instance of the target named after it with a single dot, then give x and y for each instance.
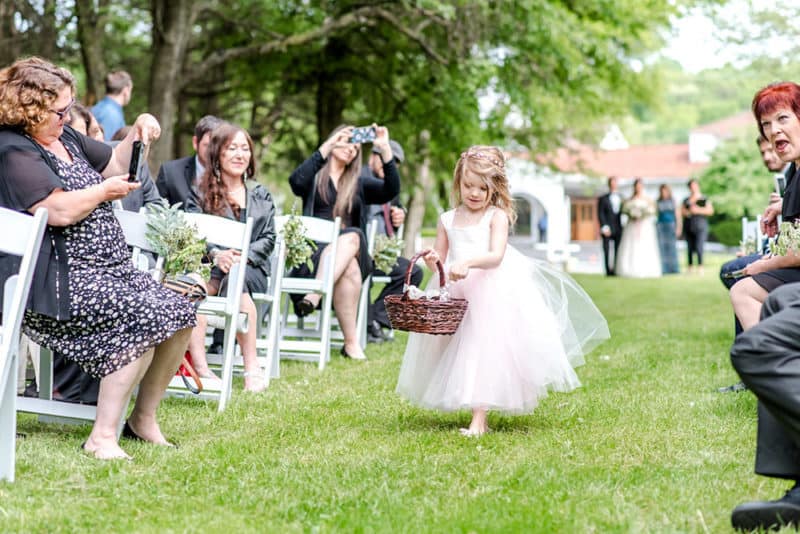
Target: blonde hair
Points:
(489, 164)
(28, 89)
(346, 186)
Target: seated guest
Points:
(82, 120)
(331, 185)
(227, 190)
(178, 179)
(87, 300)
(767, 358)
(388, 217)
(774, 108)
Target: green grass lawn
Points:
(646, 445)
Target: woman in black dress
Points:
(87, 302)
(226, 191)
(330, 185)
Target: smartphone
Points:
(135, 166)
(734, 274)
(780, 184)
(363, 134)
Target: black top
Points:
(370, 190)
(176, 180)
(261, 208)
(28, 175)
(791, 196)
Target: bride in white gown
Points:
(639, 256)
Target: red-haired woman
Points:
(226, 191)
(330, 186)
(777, 112)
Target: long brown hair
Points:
(347, 185)
(212, 190)
(489, 164)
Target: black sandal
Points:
(304, 307)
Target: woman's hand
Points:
(146, 128)
(342, 137)
(381, 142)
(458, 271)
(758, 266)
(225, 259)
(769, 220)
(117, 187)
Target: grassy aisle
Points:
(647, 445)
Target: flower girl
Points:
(527, 324)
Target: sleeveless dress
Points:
(116, 311)
(639, 255)
(526, 327)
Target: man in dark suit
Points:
(389, 217)
(609, 212)
(178, 179)
(767, 358)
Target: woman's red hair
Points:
(774, 96)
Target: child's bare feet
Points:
(478, 426)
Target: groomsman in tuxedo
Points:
(178, 179)
(609, 212)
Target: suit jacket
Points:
(605, 212)
(176, 180)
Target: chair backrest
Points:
(221, 231)
(321, 230)
(751, 231)
(24, 241)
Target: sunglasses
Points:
(64, 112)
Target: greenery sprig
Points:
(387, 250)
(299, 248)
(175, 240)
(788, 240)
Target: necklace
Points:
(234, 191)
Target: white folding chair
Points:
(363, 303)
(751, 231)
(224, 233)
(268, 311)
(309, 338)
(22, 238)
(134, 227)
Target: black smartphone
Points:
(739, 273)
(363, 134)
(136, 161)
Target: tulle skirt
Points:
(526, 328)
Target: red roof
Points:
(645, 161)
(729, 125)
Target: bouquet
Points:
(748, 246)
(175, 240)
(787, 242)
(638, 208)
(299, 248)
(387, 250)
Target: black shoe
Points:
(304, 307)
(768, 515)
(375, 333)
(215, 348)
(127, 432)
(734, 388)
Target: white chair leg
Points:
(8, 422)
(227, 366)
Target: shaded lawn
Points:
(646, 445)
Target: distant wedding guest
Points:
(178, 179)
(88, 302)
(228, 189)
(695, 211)
(82, 120)
(108, 111)
(609, 212)
(146, 194)
(669, 228)
(638, 249)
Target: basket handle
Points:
(413, 261)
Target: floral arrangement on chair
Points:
(638, 208)
(387, 250)
(299, 247)
(176, 241)
(787, 242)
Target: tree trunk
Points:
(91, 32)
(416, 206)
(330, 98)
(172, 28)
(9, 36)
(48, 33)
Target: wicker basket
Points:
(425, 315)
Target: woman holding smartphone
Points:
(330, 185)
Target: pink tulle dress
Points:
(526, 328)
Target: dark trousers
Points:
(613, 238)
(767, 358)
(377, 310)
(729, 267)
(695, 241)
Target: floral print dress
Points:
(117, 312)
